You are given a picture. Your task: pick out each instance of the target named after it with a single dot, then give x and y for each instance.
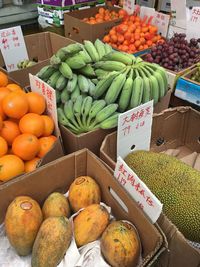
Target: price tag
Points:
(193, 24)
(134, 129)
(178, 11)
(147, 14)
(39, 86)
(146, 200)
(12, 47)
(129, 6)
(161, 21)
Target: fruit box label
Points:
(39, 86)
(188, 91)
(142, 195)
(134, 129)
(12, 47)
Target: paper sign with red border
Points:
(134, 129)
(129, 6)
(146, 200)
(12, 47)
(39, 86)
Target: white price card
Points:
(12, 47)
(129, 6)
(161, 21)
(134, 129)
(39, 86)
(178, 11)
(147, 14)
(146, 200)
(193, 24)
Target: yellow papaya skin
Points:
(83, 192)
(52, 242)
(22, 222)
(120, 245)
(90, 223)
(56, 205)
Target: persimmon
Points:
(11, 166)
(3, 146)
(36, 103)
(31, 165)
(15, 105)
(32, 123)
(3, 79)
(46, 143)
(9, 131)
(48, 125)
(26, 146)
(120, 38)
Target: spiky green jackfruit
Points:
(176, 184)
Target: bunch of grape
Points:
(196, 76)
(175, 54)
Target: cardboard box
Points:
(40, 46)
(79, 31)
(178, 128)
(58, 176)
(188, 89)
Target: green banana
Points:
(137, 92)
(110, 65)
(108, 48)
(104, 84)
(126, 93)
(71, 85)
(64, 96)
(95, 81)
(115, 88)
(75, 93)
(99, 45)
(46, 72)
(75, 62)
(97, 106)
(64, 121)
(77, 110)
(66, 70)
(119, 57)
(61, 83)
(61, 55)
(55, 61)
(154, 89)
(58, 97)
(92, 88)
(69, 113)
(101, 74)
(86, 57)
(83, 83)
(147, 96)
(72, 49)
(161, 82)
(87, 71)
(85, 109)
(110, 122)
(90, 48)
(53, 79)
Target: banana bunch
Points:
(86, 114)
(25, 64)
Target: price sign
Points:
(39, 86)
(193, 24)
(129, 6)
(147, 14)
(178, 10)
(146, 200)
(134, 129)
(12, 47)
(162, 22)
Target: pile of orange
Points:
(133, 35)
(105, 15)
(25, 132)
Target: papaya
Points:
(83, 192)
(52, 242)
(22, 222)
(56, 205)
(120, 244)
(90, 223)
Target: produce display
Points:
(175, 54)
(132, 35)
(105, 15)
(30, 230)
(26, 64)
(196, 75)
(94, 84)
(26, 133)
(175, 184)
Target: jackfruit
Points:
(175, 184)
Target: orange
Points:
(48, 125)
(3, 146)
(26, 146)
(3, 79)
(32, 123)
(31, 165)
(1, 122)
(101, 10)
(106, 38)
(4, 91)
(9, 131)
(10, 166)
(15, 105)
(13, 87)
(2, 114)
(36, 102)
(46, 143)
